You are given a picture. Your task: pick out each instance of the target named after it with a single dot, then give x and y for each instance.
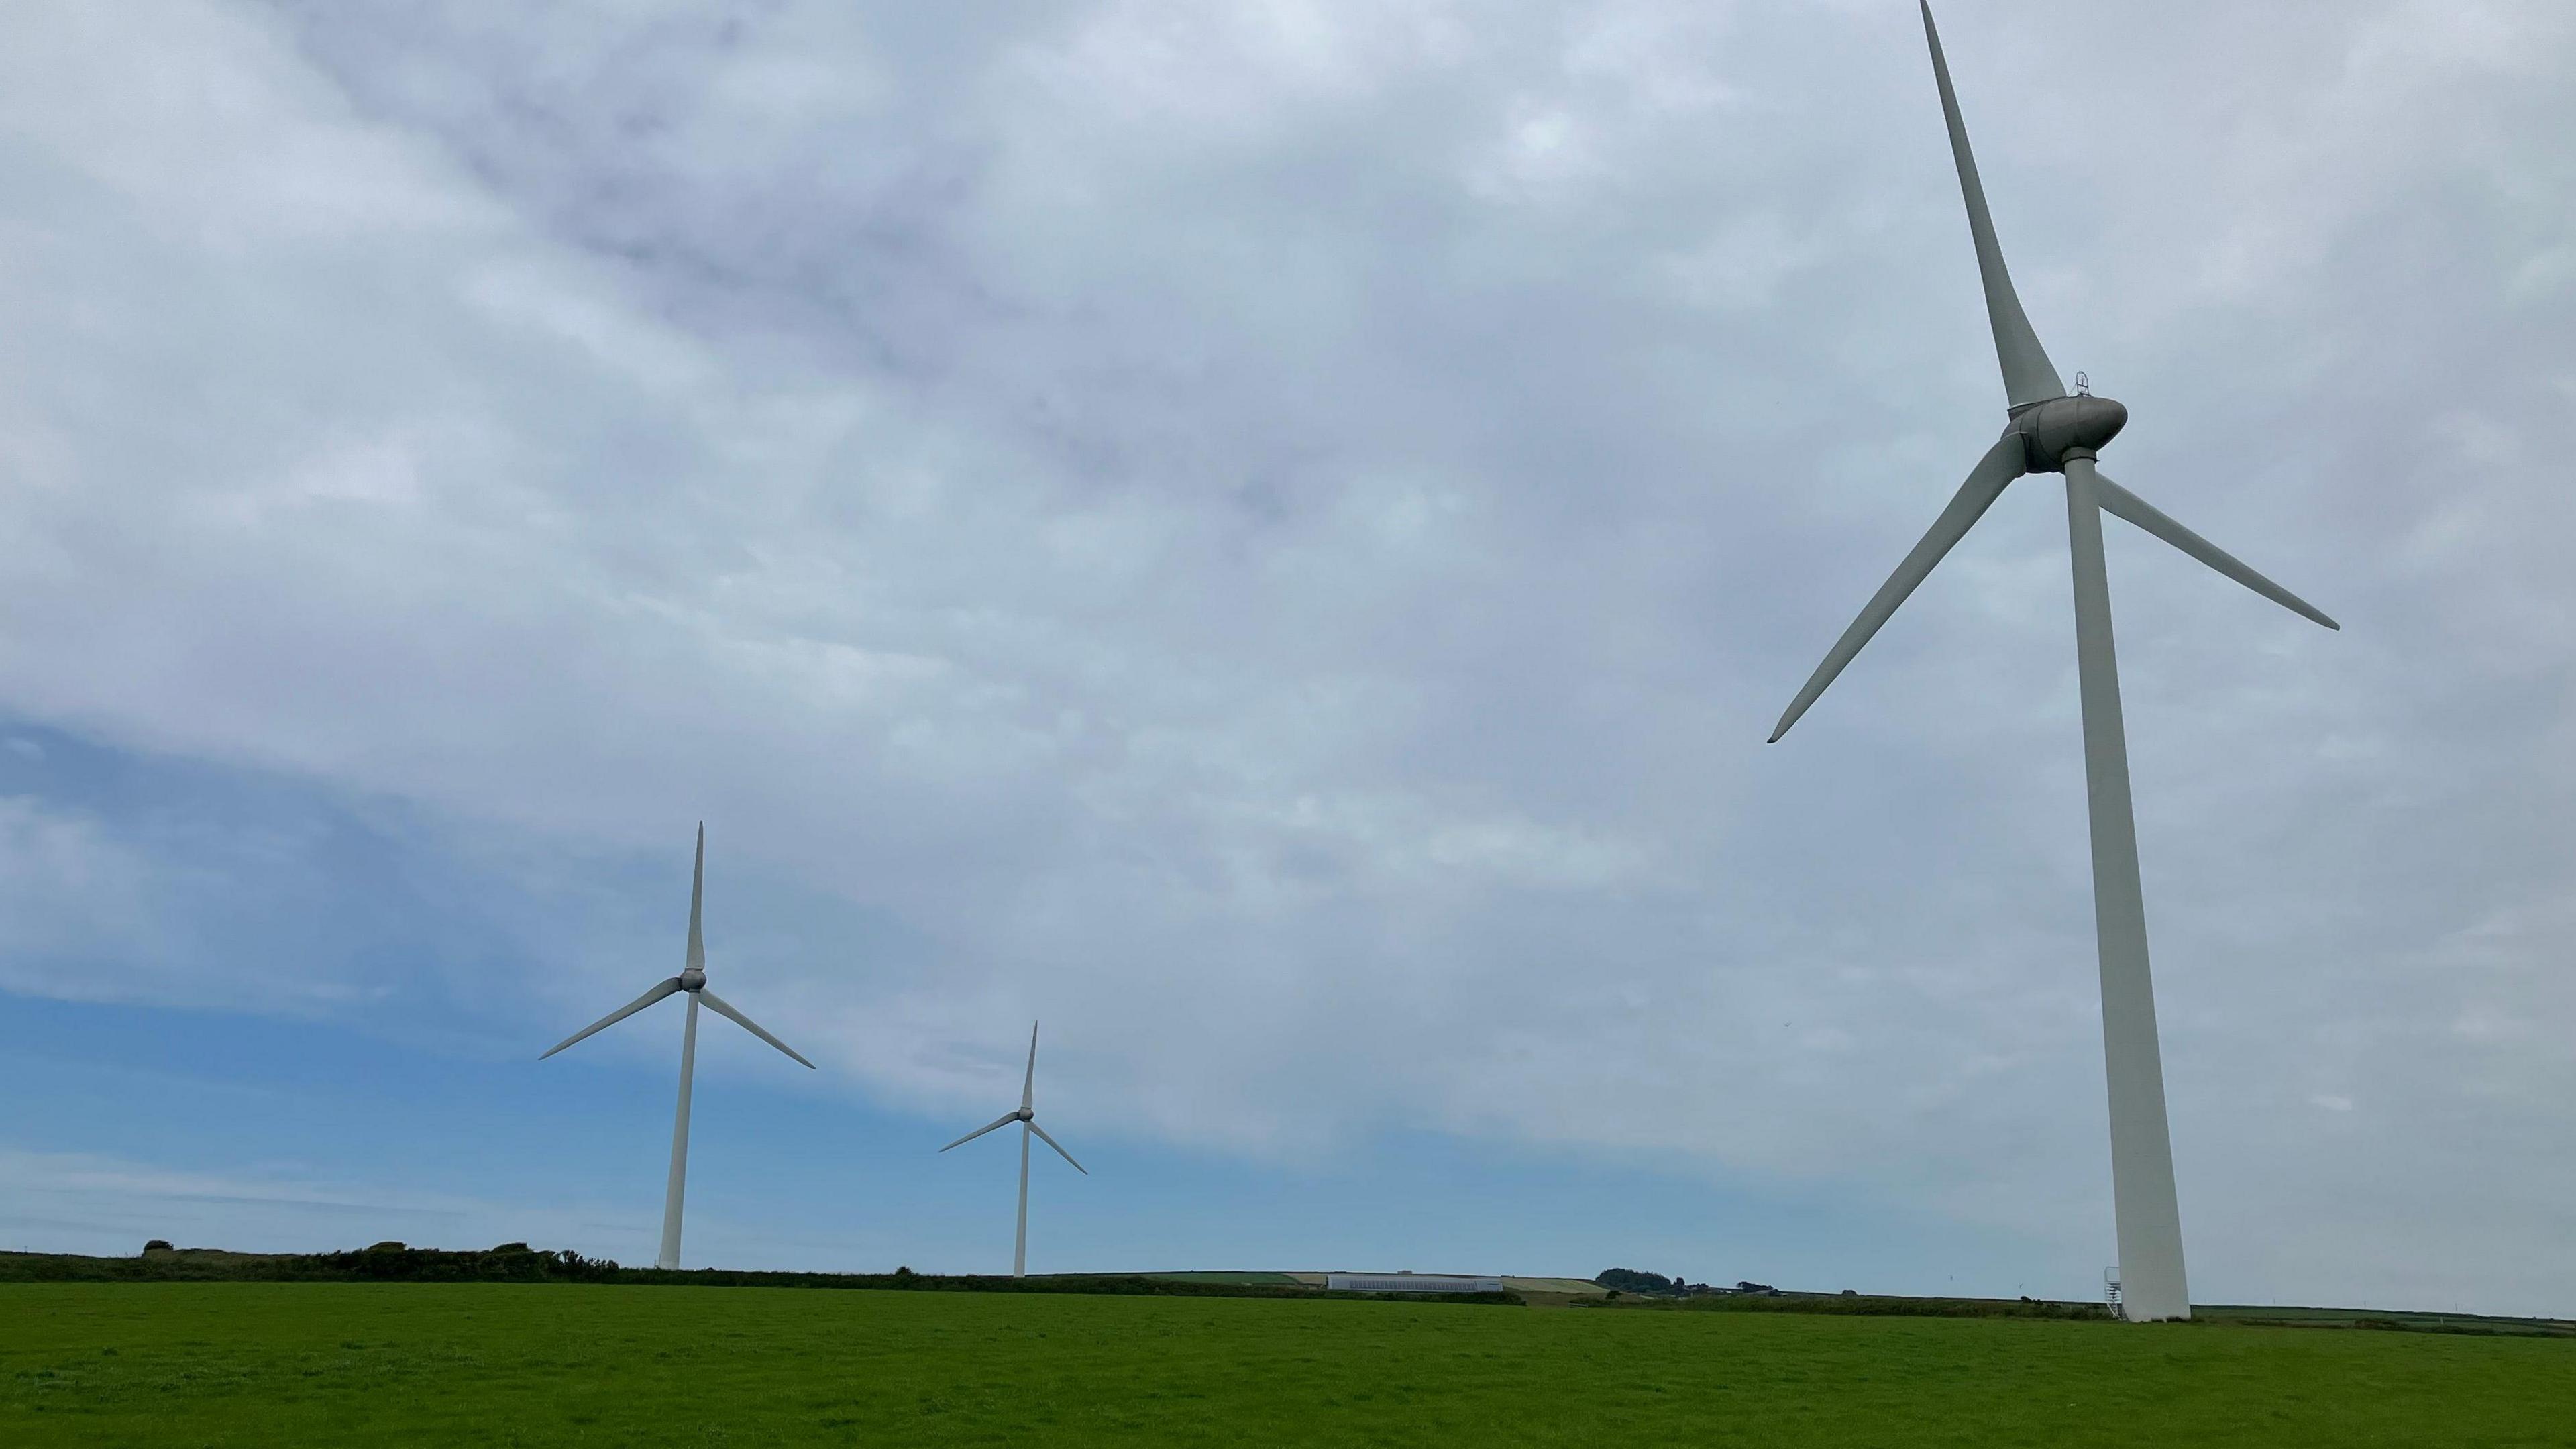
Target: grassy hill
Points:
(349, 1363)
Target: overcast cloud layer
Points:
(1271, 536)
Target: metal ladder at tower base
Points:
(2111, 1291)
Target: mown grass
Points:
(498, 1364)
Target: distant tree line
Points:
(160, 1262)
(1630, 1280)
(518, 1263)
(1655, 1291)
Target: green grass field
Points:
(330, 1364)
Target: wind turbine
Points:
(2050, 432)
(1027, 1117)
(693, 980)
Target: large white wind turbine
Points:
(693, 980)
(1027, 1117)
(2050, 432)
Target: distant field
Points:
(2385, 1318)
(329, 1363)
(1559, 1287)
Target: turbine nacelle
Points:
(2054, 430)
(693, 979)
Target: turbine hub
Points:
(693, 979)
(2050, 430)
(1025, 1115)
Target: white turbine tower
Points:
(693, 980)
(1027, 1117)
(2050, 432)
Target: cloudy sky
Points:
(1269, 537)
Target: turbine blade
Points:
(1004, 1120)
(1985, 483)
(697, 894)
(614, 1017)
(719, 1004)
(1029, 1083)
(2125, 504)
(1059, 1149)
(2029, 376)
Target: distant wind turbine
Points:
(692, 980)
(1027, 1118)
(2050, 432)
